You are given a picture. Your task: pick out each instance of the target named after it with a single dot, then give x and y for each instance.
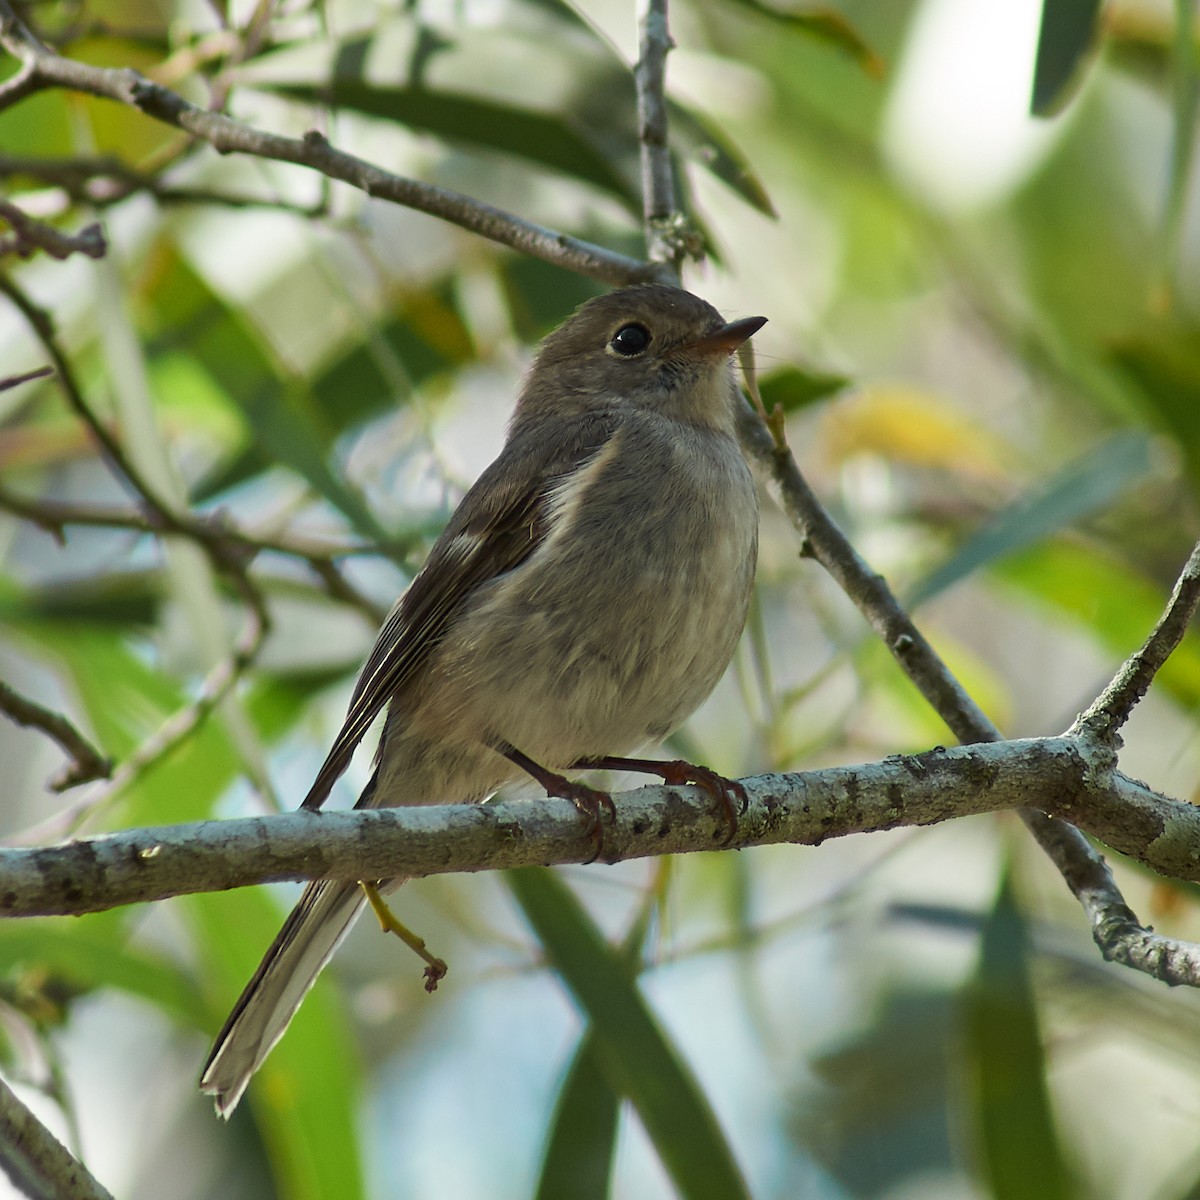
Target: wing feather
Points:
(500, 522)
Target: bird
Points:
(584, 599)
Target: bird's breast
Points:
(623, 620)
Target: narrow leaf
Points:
(1018, 1147)
(794, 388)
(546, 139)
(635, 1053)
(583, 1134)
(1083, 487)
(824, 23)
(1067, 34)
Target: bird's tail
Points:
(305, 944)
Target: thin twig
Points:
(87, 763)
(104, 181)
(54, 516)
(118, 461)
(169, 737)
(43, 68)
(658, 182)
(1115, 704)
(12, 381)
(30, 235)
(38, 1164)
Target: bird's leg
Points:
(589, 801)
(435, 969)
(727, 792)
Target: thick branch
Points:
(43, 68)
(150, 864)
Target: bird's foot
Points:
(677, 772)
(590, 802)
(435, 968)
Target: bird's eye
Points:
(630, 340)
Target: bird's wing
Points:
(500, 522)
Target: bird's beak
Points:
(728, 338)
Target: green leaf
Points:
(493, 90)
(578, 1158)
(825, 24)
(583, 1134)
(305, 1097)
(704, 143)
(1164, 368)
(126, 598)
(569, 105)
(539, 295)
(794, 388)
(279, 413)
(1068, 32)
(1081, 488)
(1186, 98)
(1017, 1145)
(635, 1053)
(95, 953)
(425, 335)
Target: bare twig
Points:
(43, 68)
(38, 1164)
(54, 516)
(1115, 704)
(220, 682)
(658, 183)
(30, 235)
(87, 763)
(169, 737)
(12, 381)
(229, 555)
(118, 461)
(104, 181)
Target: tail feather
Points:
(311, 934)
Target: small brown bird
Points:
(584, 599)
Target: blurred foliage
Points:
(983, 333)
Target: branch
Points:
(1114, 926)
(660, 214)
(36, 1162)
(43, 68)
(12, 381)
(106, 180)
(42, 325)
(235, 544)
(30, 235)
(806, 808)
(1115, 704)
(87, 763)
